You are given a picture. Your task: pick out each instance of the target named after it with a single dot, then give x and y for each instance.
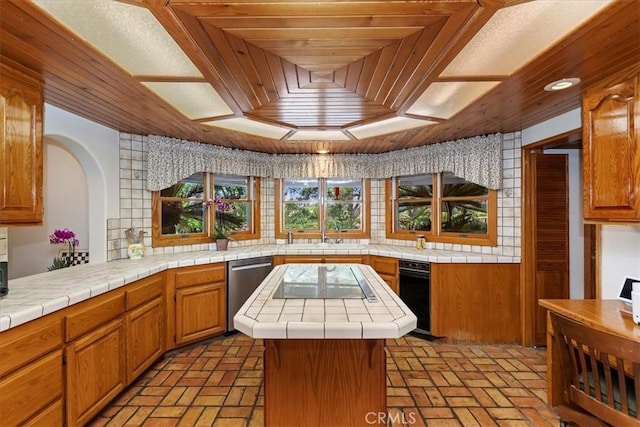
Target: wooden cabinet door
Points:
(34, 388)
(145, 337)
(21, 104)
(611, 151)
(387, 268)
(96, 371)
(200, 312)
(392, 281)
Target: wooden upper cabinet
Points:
(21, 104)
(611, 150)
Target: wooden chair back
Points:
(601, 371)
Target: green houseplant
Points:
(221, 228)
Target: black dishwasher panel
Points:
(415, 292)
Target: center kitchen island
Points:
(324, 328)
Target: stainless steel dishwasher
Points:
(243, 277)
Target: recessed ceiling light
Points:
(562, 84)
(323, 151)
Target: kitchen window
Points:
(443, 207)
(339, 206)
(181, 215)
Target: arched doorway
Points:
(74, 197)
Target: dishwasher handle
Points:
(250, 266)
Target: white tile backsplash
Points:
(133, 213)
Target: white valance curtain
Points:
(477, 159)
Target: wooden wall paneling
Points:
(387, 55)
(276, 70)
(368, 68)
(305, 382)
(476, 302)
(528, 252)
(264, 76)
(245, 59)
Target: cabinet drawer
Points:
(342, 259)
(200, 274)
(31, 389)
(93, 315)
(144, 290)
(51, 416)
(27, 343)
(383, 265)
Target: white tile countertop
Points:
(262, 316)
(35, 296)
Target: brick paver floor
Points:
(219, 383)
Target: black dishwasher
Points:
(415, 292)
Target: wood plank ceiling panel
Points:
(367, 61)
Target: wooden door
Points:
(21, 104)
(590, 254)
(200, 312)
(96, 371)
(551, 235)
(145, 337)
(611, 151)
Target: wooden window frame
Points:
(364, 233)
(436, 234)
(160, 240)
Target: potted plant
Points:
(220, 227)
(67, 237)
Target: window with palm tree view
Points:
(203, 206)
(443, 207)
(339, 206)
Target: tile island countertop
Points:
(35, 296)
(265, 316)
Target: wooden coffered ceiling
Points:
(334, 67)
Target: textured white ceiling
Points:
(129, 35)
(251, 127)
(194, 100)
(517, 34)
